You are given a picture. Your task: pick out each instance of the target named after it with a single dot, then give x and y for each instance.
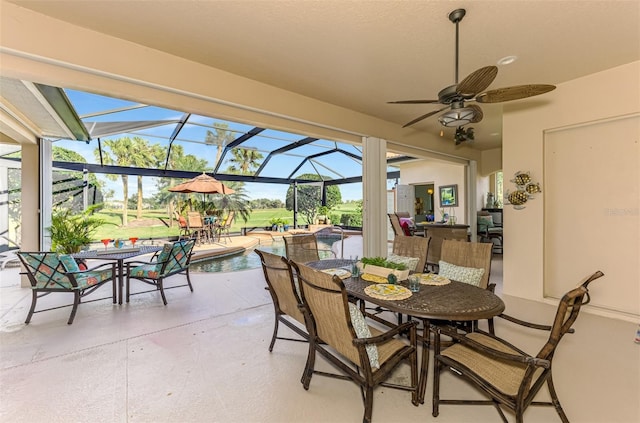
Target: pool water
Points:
(250, 260)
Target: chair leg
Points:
(76, 301)
(189, 280)
(275, 333)
(556, 401)
(34, 299)
(368, 405)
(308, 368)
(161, 288)
(127, 287)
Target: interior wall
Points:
(490, 161)
(588, 99)
(422, 172)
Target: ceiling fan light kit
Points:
(457, 116)
(472, 88)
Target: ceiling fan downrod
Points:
(455, 17)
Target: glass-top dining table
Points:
(454, 301)
(119, 255)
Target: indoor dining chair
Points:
(285, 295)
(340, 334)
(510, 377)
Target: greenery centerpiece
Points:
(380, 266)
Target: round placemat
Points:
(373, 278)
(432, 279)
(385, 291)
(339, 272)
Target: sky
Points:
(96, 108)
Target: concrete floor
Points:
(204, 358)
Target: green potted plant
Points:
(71, 232)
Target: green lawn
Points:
(156, 224)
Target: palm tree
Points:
(146, 156)
(219, 137)
(245, 160)
(238, 201)
(118, 152)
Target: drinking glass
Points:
(106, 242)
(414, 283)
(133, 241)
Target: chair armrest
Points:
(529, 324)
(405, 327)
(493, 353)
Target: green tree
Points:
(310, 198)
(220, 137)
(68, 185)
(177, 160)
(118, 152)
(238, 201)
(244, 161)
(145, 155)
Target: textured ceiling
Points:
(361, 54)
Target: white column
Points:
(472, 199)
(29, 202)
(374, 205)
(46, 192)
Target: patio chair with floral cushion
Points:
(507, 375)
(173, 259)
(338, 331)
(50, 272)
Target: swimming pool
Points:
(250, 260)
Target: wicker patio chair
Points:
(173, 259)
(507, 375)
(284, 293)
(338, 332)
(301, 248)
(51, 272)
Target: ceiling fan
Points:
(471, 89)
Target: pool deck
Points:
(238, 244)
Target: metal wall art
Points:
(526, 189)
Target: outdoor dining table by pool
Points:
(453, 301)
(119, 255)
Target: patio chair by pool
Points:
(51, 272)
(173, 259)
(285, 295)
(339, 332)
(224, 227)
(301, 248)
(197, 229)
(507, 375)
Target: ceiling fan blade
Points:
(413, 102)
(513, 93)
(477, 81)
(479, 115)
(416, 120)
